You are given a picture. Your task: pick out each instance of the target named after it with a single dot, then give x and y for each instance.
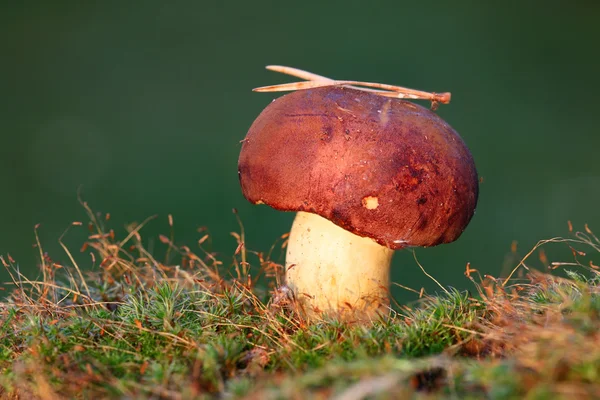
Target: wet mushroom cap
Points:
(382, 168)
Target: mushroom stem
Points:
(333, 270)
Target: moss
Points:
(141, 328)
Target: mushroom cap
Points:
(378, 167)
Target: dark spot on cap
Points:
(337, 215)
(327, 133)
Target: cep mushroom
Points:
(367, 175)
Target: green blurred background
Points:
(143, 105)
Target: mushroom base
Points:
(334, 271)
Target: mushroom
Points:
(367, 175)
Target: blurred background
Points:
(141, 107)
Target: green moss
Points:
(145, 329)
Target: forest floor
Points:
(135, 327)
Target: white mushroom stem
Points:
(334, 270)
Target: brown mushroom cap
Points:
(382, 168)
